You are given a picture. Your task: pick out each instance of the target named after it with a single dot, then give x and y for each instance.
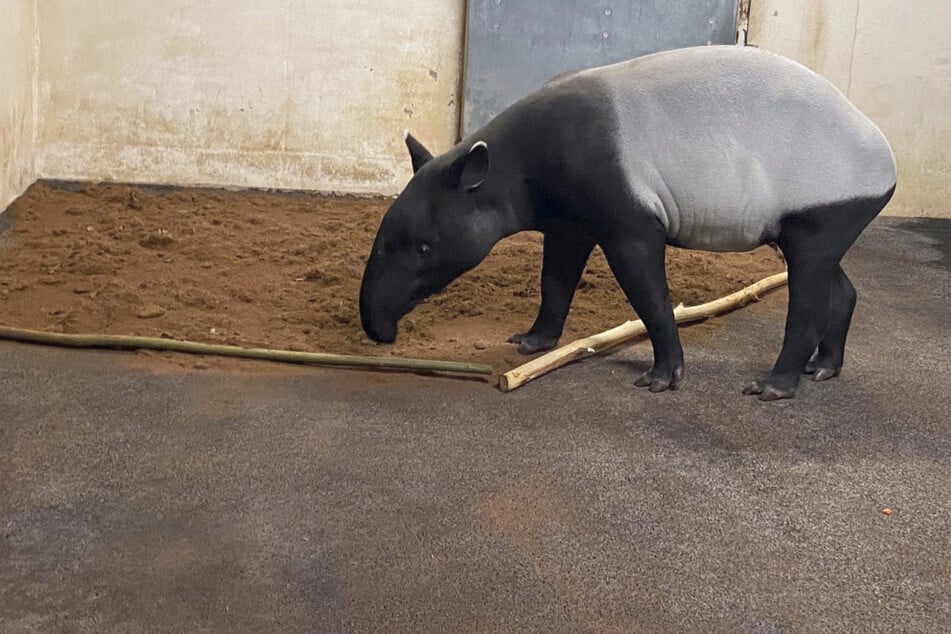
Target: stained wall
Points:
(17, 76)
(285, 93)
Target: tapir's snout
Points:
(378, 329)
(380, 333)
(378, 323)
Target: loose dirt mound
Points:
(283, 270)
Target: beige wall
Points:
(287, 93)
(315, 94)
(893, 60)
(17, 74)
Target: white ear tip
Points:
(478, 144)
(405, 134)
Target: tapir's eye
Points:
(423, 249)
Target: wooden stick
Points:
(286, 356)
(600, 342)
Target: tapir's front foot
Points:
(659, 379)
(530, 343)
(565, 255)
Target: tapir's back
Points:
(722, 142)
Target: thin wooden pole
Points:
(600, 342)
(286, 356)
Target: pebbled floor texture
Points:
(137, 496)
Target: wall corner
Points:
(35, 89)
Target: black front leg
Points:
(563, 262)
(638, 264)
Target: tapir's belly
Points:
(734, 198)
(717, 203)
(727, 200)
(713, 230)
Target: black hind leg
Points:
(827, 361)
(807, 320)
(821, 298)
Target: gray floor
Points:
(137, 496)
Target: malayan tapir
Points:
(719, 148)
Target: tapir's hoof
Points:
(530, 344)
(766, 392)
(753, 387)
(659, 383)
(775, 394)
(824, 374)
(823, 369)
(518, 337)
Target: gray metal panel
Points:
(515, 46)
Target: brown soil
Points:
(283, 271)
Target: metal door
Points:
(515, 46)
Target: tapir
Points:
(717, 148)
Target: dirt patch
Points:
(283, 271)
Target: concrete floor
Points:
(137, 496)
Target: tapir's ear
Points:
(418, 154)
(470, 170)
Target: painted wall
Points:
(315, 94)
(893, 60)
(286, 93)
(17, 74)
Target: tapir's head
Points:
(443, 224)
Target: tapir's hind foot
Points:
(824, 374)
(529, 343)
(807, 320)
(826, 362)
(821, 297)
(821, 369)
